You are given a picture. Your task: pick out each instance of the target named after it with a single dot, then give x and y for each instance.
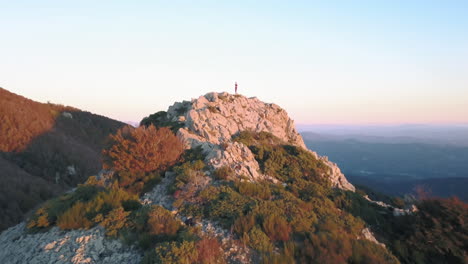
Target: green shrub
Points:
(160, 119)
(85, 207)
(186, 172)
(74, 218)
(193, 154)
(114, 221)
(181, 253)
(228, 206)
(258, 240)
(250, 138)
(256, 190)
(162, 222)
(209, 194)
(276, 227)
(223, 173)
(48, 214)
(243, 224)
(138, 182)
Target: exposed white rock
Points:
(71, 170)
(367, 234)
(410, 209)
(67, 115)
(406, 211)
(213, 119)
(57, 246)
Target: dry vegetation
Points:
(300, 219)
(143, 149)
(22, 120)
(37, 144)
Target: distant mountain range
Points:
(456, 134)
(45, 149)
(397, 164)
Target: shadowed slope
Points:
(44, 150)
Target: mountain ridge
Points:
(244, 190)
(45, 149)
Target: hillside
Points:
(227, 179)
(45, 149)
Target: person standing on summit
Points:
(235, 87)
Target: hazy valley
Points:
(397, 164)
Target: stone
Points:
(57, 246)
(67, 115)
(367, 234)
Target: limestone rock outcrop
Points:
(212, 120)
(58, 246)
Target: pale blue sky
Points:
(323, 61)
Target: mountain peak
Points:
(212, 120)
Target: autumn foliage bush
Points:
(209, 251)
(142, 149)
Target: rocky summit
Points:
(212, 120)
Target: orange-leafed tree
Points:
(142, 149)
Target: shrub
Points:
(367, 252)
(276, 227)
(209, 251)
(48, 214)
(160, 119)
(250, 138)
(194, 154)
(228, 206)
(137, 182)
(436, 234)
(223, 173)
(189, 179)
(183, 253)
(243, 224)
(209, 194)
(285, 162)
(258, 240)
(41, 219)
(114, 221)
(74, 218)
(256, 190)
(162, 222)
(144, 149)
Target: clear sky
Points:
(350, 62)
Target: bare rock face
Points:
(367, 234)
(57, 246)
(211, 121)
